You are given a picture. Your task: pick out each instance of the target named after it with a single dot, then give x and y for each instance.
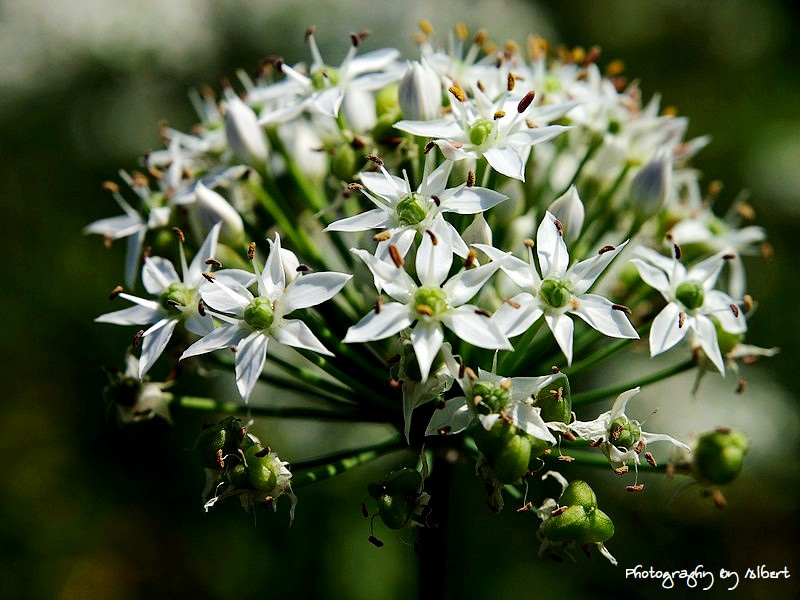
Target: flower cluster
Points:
(425, 218)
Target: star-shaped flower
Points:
(560, 290)
(692, 303)
(250, 321)
(428, 306)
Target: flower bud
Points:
(216, 442)
(582, 522)
(578, 493)
(208, 209)
(651, 185)
(399, 497)
(506, 448)
(555, 400)
(358, 108)
(569, 211)
(343, 162)
(420, 93)
(245, 137)
(719, 455)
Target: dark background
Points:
(90, 511)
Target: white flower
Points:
(420, 93)
(245, 136)
(404, 213)
(250, 321)
(559, 290)
(623, 438)
(177, 301)
(428, 306)
(569, 211)
(692, 303)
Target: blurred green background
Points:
(90, 511)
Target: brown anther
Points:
(220, 460)
(635, 488)
(526, 101)
(436, 200)
(425, 26)
(639, 447)
(523, 509)
(209, 276)
(480, 86)
(605, 249)
(719, 499)
(746, 211)
(596, 443)
(395, 384)
(559, 394)
(505, 418)
(568, 435)
(441, 404)
(375, 159)
(511, 81)
(555, 370)
(565, 458)
(424, 309)
(303, 268)
(140, 179)
(681, 319)
(444, 430)
(174, 303)
(677, 250)
(458, 93)
(110, 186)
(434, 239)
(559, 511)
(622, 308)
(201, 307)
(512, 303)
(767, 252)
(560, 227)
(472, 256)
(482, 312)
(470, 373)
(355, 40)
(649, 458)
(147, 251)
(729, 256)
(397, 258)
(378, 305)
(499, 114)
(531, 124)
(310, 32)
(505, 384)
(354, 186)
(233, 349)
(461, 370)
(251, 250)
(480, 37)
(547, 452)
(137, 338)
(621, 470)
(470, 178)
(116, 292)
(264, 452)
(428, 147)
(615, 432)
(179, 234)
(381, 236)
(734, 310)
(740, 386)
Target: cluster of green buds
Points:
(400, 499)
(574, 520)
(134, 399)
(238, 464)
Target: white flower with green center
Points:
(623, 438)
(501, 132)
(692, 303)
(322, 89)
(559, 290)
(250, 321)
(177, 301)
(404, 212)
(428, 306)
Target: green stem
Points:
(597, 459)
(613, 390)
(282, 412)
(325, 467)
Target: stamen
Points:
(734, 310)
(615, 67)
(436, 200)
(622, 308)
(375, 541)
(650, 459)
(355, 40)
(470, 178)
(201, 307)
(591, 56)
(741, 385)
(523, 509)
(461, 31)
(565, 458)
(569, 436)
(512, 303)
(441, 404)
(382, 236)
(745, 211)
(209, 276)
(458, 93)
(434, 239)
(179, 234)
(525, 102)
(621, 470)
(428, 147)
(354, 186)
(677, 250)
(639, 447)
(378, 304)
(375, 159)
(107, 240)
(220, 460)
(635, 488)
(364, 511)
(214, 262)
(137, 339)
(311, 31)
(482, 312)
(470, 373)
(251, 251)
(531, 124)
(116, 292)
(395, 384)
(111, 187)
(559, 511)
(461, 369)
(444, 430)
(303, 268)
(615, 432)
(560, 227)
(480, 86)
(528, 242)
(728, 256)
(511, 81)
(397, 259)
(499, 115)
(747, 303)
(425, 26)
(555, 370)
(596, 443)
(681, 320)
(605, 249)
(424, 309)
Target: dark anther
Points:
(469, 262)
(482, 312)
(512, 303)
(677, 250)
(527, 508)
(375, 159)
(302, 268)
(605, 249)
(201, 307)
(649, 457)
(251, 250)
(741, 384)
(554, 370)
(378, 304)
(470, 178)
(559, 511)
(137, 339)
(209, 276)
(635, 488)
(560, 227)
(622, 308)
(214, 262)
(397, 259)
(444, 430)
(115, 292)
(436, 200)
(428, 147)
(354, 186)
(735, 310)
(364, 511)
(728, 256)
(639, 447)
(596, 443)
(569, 435)
(434, 239)
(263, 453)
(375, 541)
(525, 102)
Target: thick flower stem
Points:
(613, 390)
(324, 467)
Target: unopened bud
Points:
(420, 93)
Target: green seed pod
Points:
(538, 447)
(403, 481)
(510, 462)
(260, 471)
(343, 162)
(727, 341)
(600, 528)
(578, 493)
(624, 433)
(577, 524)
(394, 510)
(386, 101)
(555, 292)
(221, 436)
(719, 456)
(555, 400)
(237, 475)
(489, 442)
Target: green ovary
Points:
(259, 314)
(493, 397)
(555, 292)
(690, 294)
(174, 297)
(324, 77)
(411, 209)
(479, 131)
(624, 433)
(430, 301)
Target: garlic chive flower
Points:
(692, 303)
(249, 321)
(177, 301)
(559, 290)
(403, 213)
(427, 306)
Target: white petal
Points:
(663, 437)
(154, 341)
(328, 101)
(514, 321)
(292, 332)
(707, 334)
(207, 250)
(584, 273)
(562, 328)
(528, 418)
(471, 200)
(157, 274)
(520, 272)
(312, 289)
(707, 271)
(376, 60)
(227, 299)
(273, 280)
(568, 209)
(537, 135)
(475, 328)
(652, 276)
(135, 315)
(132, 253)
(506, 161)
(453, 418)
(551, 248)
(599, 314)
(461, 287)
(665, 332)
(433, 261)
(224, 336)
(372, 219)
(388, 277)
(381, 183)
(439, 128)
(427, 339)
(392, 318)
(251, 354)
(718, 305)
